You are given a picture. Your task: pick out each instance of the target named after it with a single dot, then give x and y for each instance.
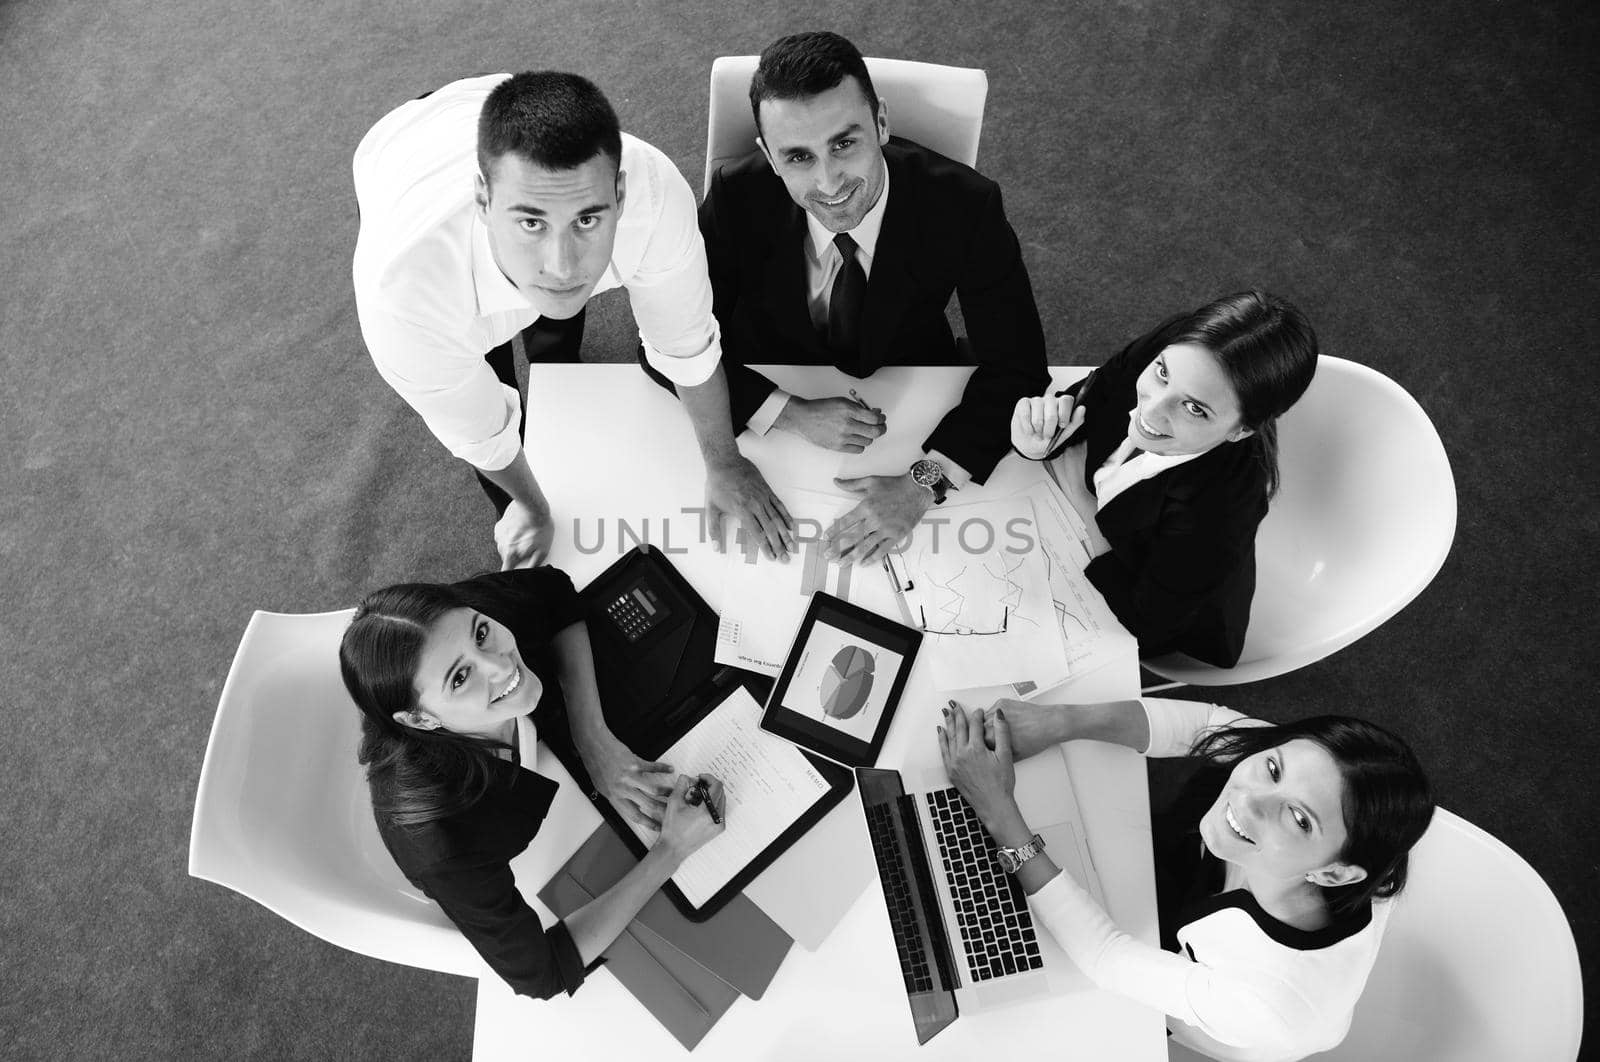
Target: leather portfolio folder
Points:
(687, 974)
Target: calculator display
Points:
(637, 611)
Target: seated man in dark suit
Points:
(837, 245)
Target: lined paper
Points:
(767, 784)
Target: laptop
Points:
(961, 924)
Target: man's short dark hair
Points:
(554, 120)
(808, 64)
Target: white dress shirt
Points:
(432, 302)
(1122, 469)
(823, 262)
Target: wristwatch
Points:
(1011, 859)
(930, 474)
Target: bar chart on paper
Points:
(764, 599)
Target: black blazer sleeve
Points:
(1170, 584)
(747, 389)
(1003, 327)
(480, 896)
(463, 863)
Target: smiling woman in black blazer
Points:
(1169, 451)
(455, 683)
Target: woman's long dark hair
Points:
(416, 775)
(1387, 802)
(1269, 352)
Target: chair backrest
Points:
(1361, 524)
(1478, 963)
(283, 814)
(939, 107)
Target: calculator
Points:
(637, 611)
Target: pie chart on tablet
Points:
(846, 682)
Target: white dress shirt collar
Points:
(819, 240)
(495, 292)
(1124, 468)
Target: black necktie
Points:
(848, 297)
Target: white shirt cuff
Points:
(762, 420)
(957, 475)
(686, 370)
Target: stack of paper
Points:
(764, 600)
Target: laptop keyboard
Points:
(991, 908)
(897, 895)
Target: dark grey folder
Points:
(686, 973)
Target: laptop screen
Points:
(904, 874)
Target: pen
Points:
(862, 402)
(700, 793)
(1083, 390)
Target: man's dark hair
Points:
(808, 64)
(554, 120)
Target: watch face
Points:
(926, 473)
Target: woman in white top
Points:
(1273, 870)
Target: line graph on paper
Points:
(985, 596)
(1000, 592)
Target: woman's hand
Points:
(686, 826)
(984, 776)
(636, 787)
(1034, 727)
(1036, 421)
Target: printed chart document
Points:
(975, 581)
(764, 600)
(1090, 632)
(767, 783)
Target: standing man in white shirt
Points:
(500, 204)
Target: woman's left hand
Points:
(984, 776)
(636, 787)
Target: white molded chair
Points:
(1478, 963)
(283, 813)
(939, 107)
(1361, 524)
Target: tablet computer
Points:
(652, 637)
(841, 683)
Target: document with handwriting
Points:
(767, 784)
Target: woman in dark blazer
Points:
(452, 681)
(1169, 452)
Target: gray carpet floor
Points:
(193, 430)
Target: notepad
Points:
(768, 785)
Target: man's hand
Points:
(1036, 422)
(523, 536)
(736, 487)
(890, 507)
(832, 423)
(637, 788)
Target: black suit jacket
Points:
(1182, 566)
(944, 231)
(463, 861)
